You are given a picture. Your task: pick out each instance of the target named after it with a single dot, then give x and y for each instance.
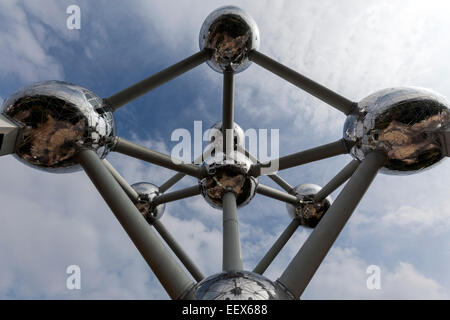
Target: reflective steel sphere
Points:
(215, 136)
(58, 119)
(147, 192)
(231, 34)
(401, 122)
(308, 211)
(242, 285)
(225, 175)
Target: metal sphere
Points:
(231, 34)
(228, 175)
(147, 192)
(402, 123)
(58, 119)
(241, 285)
(308, 211)
(215, 136)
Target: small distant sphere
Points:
(241, 285)
(215, 136)
(402, 123)
(228, 175)
(231, 34)
(59, 119)
(308, 212)
(147, 192)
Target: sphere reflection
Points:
(147, 192)
(242, 285)
(58, 119)
(231, 34)
(401, 122)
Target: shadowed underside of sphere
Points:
(231, 34)
(308, 211)
(58, 119)
(228, 175)
(402, 123)
(242, 285)
(147, 192)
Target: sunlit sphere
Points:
(402, 123)
(147, 192)
(58, 119)
(231, 34)
(242, 285)
(308, 211)
(215, 136)
(228, 175)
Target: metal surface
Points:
(242, 285)
(136, 151)
(402, 122)
(276, 194)
(307, 209)
(176, 195)
(228, 174)
(332, 98)
(232, 256)
(169, 273)
(135, 91)
(132, 194)
(178, 251)
(58, 118)
(228, 112)
(146, 204)
(265, 262)
(302, 268)
(8, 135)
(231, 34)
(337, 181)
(315, 154)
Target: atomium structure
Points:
(60, 127)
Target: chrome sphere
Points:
(401, 122)
(58, 119)
(308, 211)
(215, 136)
(242, 285)
(147, 192)
(228, 175)
(231, 34)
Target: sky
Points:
(50, 221)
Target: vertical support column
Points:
(302, 268)
(173, 278)
(228, 111)
(232, 256)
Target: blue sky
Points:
(48, 221)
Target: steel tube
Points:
(232, 256)
(176, 195)
(136, 151)
(276, 194)
(132, 194)
(300, 271)
(135, 91)
(178, 251)
(173, 278)
(322, 152)
(228, 111)
(326, 95)
(337, 181)
(265, 262)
